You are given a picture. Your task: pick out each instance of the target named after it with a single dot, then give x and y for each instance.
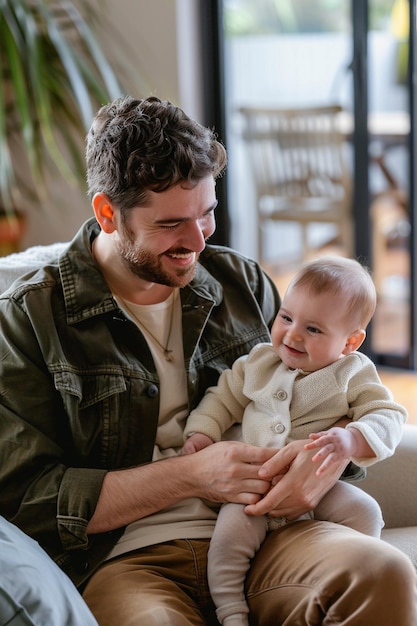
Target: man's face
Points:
(161, 242)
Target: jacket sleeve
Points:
(35, 482)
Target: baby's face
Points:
(311, 331)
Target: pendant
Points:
(169, 356)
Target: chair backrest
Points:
(297, 153)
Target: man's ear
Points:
(104, 212)
(355, 341)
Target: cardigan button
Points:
(152, 391)
(278, 428)
(281, 395)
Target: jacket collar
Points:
(87, 294)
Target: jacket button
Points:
(152, 391)
(84, 565)
(278, 428)
(281, 395)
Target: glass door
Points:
(389, 177)
(298, 53)
(285, 54)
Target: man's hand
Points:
(227, 471)
(297, 487)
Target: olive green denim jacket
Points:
(80, 392)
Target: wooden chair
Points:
(298, 164)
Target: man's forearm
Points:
(222, 472)
(128, 495)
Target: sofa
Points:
(390, 482)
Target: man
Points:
(103, 355)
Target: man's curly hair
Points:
(135, 146)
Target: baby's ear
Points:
(355, 341)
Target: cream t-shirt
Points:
(191, 518)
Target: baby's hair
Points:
(341, 276)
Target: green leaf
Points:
(54, 74)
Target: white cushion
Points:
(15, 265)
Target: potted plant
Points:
(54, 75)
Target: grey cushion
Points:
(34, 591)
(392, 484)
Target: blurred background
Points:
(220, 58)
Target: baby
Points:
(299, 387)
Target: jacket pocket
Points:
(92, 404)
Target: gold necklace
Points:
(168, 354)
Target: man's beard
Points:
(148, 266)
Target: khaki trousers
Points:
(307, 573)
(237, 537)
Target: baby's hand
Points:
(335, 445)
(196, 442)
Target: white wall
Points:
(146, 39)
